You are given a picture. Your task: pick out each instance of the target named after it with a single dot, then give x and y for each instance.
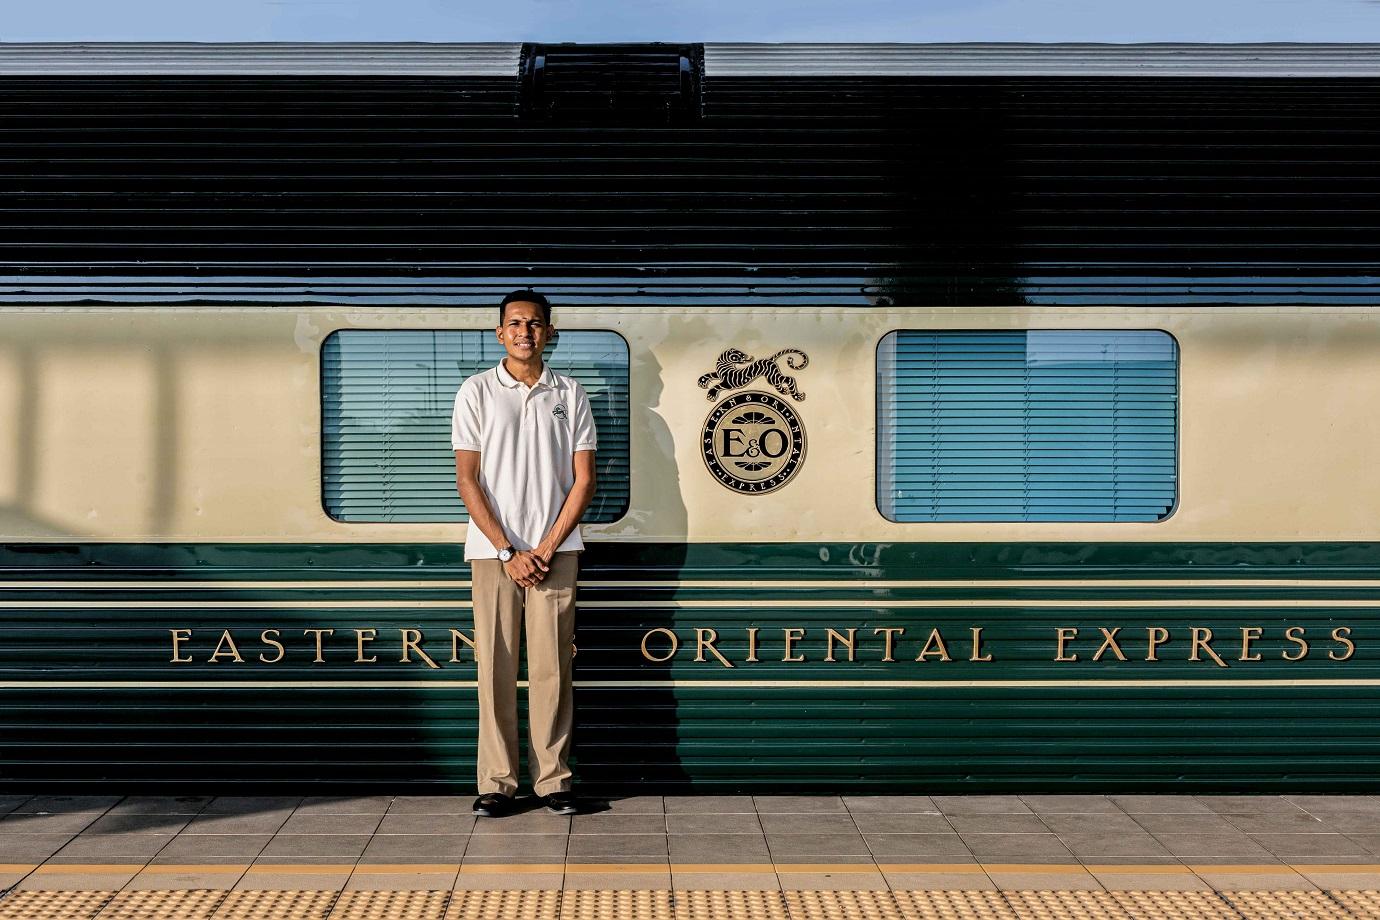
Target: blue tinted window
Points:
(387, 398)
(1027, 426)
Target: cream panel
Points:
(96, 440)
(216, 416)
(13, 422)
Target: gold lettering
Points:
(457, 637)
(977, 645)
(793, 635)
(752, 644)
(936, 642)
(1108, 642)
(226, 640)
(1200, 636)
(411, 642)
(263, 637)
(320, 655)
(1340, 635)
(660, 630)
(1297, 640)
(1065, 634)
(1155, 637)
(1248, 635)
(362, 636)
(704, 641)
(891, 632)
(833, 636)
(178, 637)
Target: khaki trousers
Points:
(500, 609)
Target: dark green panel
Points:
(90, 697)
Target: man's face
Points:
(523, 333)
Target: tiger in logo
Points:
(736, 370)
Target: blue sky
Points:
(691, 20)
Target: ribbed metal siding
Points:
(89, 697)
(961, 185)
(1065, 59)
(47, 59)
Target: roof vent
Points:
(645, 85)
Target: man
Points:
(524, 445)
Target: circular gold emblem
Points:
(753, 443)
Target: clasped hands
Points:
(527, 568)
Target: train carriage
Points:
(971, 417)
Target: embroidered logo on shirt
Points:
(559, 411)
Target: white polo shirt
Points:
(526, 438)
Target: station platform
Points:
(1131, 857)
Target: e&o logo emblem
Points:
(753, 443)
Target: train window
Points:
(1039, 425)
(387, 397)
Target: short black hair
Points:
(525, 297)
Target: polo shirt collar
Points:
(547, 378)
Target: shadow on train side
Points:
(628, 737)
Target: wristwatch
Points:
(506, 554)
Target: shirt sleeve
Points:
(466, 425)
(586, 437)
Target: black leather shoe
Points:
(560, 803)
(493, 805)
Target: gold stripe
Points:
(852, 584)
(970, 603)
(171, 584)
(727, 683)
(232, 605)
(802, 603)
(683, 868)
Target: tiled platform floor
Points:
(1114, 848)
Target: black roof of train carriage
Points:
(776, 173)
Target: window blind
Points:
(387, 397)
(1027, 426)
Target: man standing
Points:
(524, 445)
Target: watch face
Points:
(505, 555)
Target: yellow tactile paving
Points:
(152, 904)
(954, 905)
(1065, 905)
(1361, 903)
(730, 905)
(69, 905)
(504, 905)
(276, 905)
(1175, 905)
(602, 905)
(391, 905)
(842, 905)
(1287, 905)
(201, 904)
